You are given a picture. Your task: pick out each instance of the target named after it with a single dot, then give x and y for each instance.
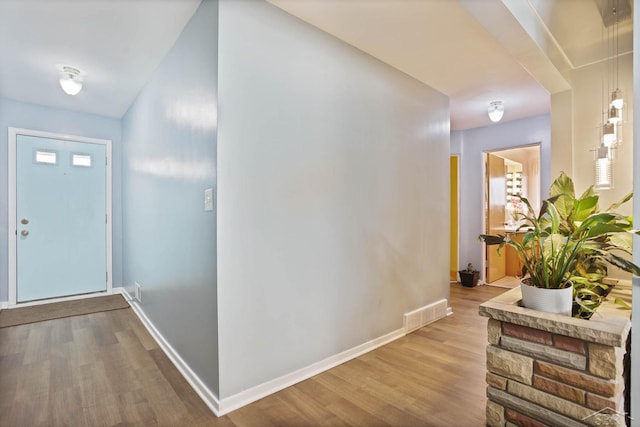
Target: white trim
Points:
(3, 305)
(200, 388)
(231, 403)
(109, 213)
(258, 392)
(12, 223)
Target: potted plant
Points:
(567, 247)
(469, 277)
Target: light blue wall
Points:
(36, 117)
(334, 202)
(474, 143)
(456, 143)
(169, 241)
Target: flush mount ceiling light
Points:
(496, 111)
(70, 79)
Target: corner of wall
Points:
(207, 396)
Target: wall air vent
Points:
(425, 315)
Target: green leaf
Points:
(622, 241)
(555, 218)
(603, 229)
(554, 243)
(585, 207)
(622, 263)
(619, 203)
(589, 280)
(562, 185)
(622, 303)
(565, 205)
(598, 218)
(586, 292)
(589, 192)
(528, 238)
(530, 214)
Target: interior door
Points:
(61, 207)
(496, 197)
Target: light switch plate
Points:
(208, 199)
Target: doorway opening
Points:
(509, 174)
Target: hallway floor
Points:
(104, 369)
(508, 282)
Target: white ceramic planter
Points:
(547, 300)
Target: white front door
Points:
(61, 220)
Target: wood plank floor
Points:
(103, 369)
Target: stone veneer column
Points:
(552, 370)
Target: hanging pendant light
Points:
(603, 169)
(606, 149)
(614, 115)
(608, 134)
(617, 100)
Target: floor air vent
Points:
(425, 315)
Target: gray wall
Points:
(36, 117)
(474, 143)
(169, 241)
(334, 197)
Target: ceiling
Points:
(116, 43)
(474, 51)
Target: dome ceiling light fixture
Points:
(70, 79)
(496, 111)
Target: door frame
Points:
(13, 221)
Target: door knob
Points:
(24, 221)
(25, 233)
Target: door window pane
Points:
(83, 160)
(46, 157)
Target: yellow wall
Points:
(453, 179)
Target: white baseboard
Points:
(223, 406)
(203, 391)
(258, 392)
(4, 304)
